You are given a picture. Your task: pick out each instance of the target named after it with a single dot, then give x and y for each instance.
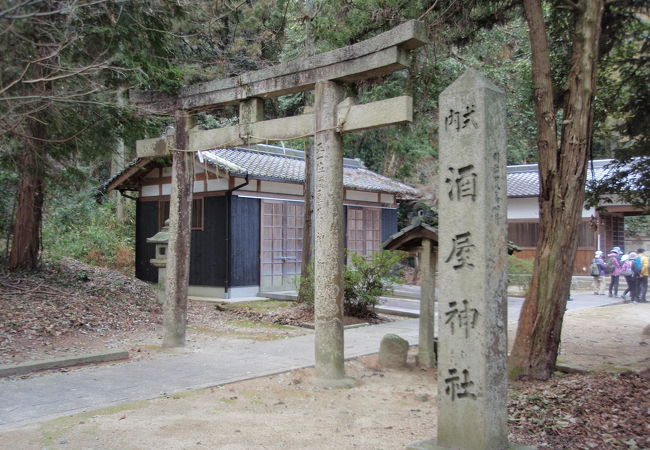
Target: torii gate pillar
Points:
(374, 57)
(328, 267)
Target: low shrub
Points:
(368, 279)
(365, 280)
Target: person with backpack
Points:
(613, 268)
(597, 270)
(626, 270)
(641, 270)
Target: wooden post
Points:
(180, 223)
(328, 200)
(426, 350)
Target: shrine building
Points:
(600, 228)
(247, 216)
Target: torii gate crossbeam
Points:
(332, 116)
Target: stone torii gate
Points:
(324, 73)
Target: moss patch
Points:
(253, 324)
(262, 335)
(56, 429)
(265, 305)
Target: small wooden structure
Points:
(422, 238)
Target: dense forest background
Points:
(67, 65)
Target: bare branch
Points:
(48, 13)
(428, 10)
(15, 7)
(20, 77)
(54, 141)
(80, 71)
(50, 97)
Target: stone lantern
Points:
(161, 240)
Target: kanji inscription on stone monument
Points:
(472, 211)
(461, 316)
(462, 249)
(461, 183)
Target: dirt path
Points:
(388, 410)
(606, 338)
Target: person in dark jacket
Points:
(613, 261)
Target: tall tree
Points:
(623, 130)
(562, 174)
(60, 58)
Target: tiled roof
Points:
(287, 165)
(523, 180)
(282, 164)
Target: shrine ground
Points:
(389, 409)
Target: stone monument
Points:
(472, 375)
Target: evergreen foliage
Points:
(76, 226)
(102, 47)
(365, 280)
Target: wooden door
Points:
(281, 250)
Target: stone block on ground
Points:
(393, 351)
(60, 363)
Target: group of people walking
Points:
(633, 266)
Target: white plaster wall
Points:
(206, 291)
(151, 191)
(361, 196)
(166, 189)
(167, 172)
(217, 184)
(199, 186)
(523, 208)
(387, 198)
(528, 208)
(280, 188)
(251, 186)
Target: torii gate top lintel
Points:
(377, 56)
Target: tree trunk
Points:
(118, 162)
(306, 268)
(308, 226)
(29, 209)
(26, 243)
(562, 173)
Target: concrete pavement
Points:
(63, 393)
(403, 303)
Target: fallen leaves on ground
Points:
(603, 411)
(84, 303)
(69, 297)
